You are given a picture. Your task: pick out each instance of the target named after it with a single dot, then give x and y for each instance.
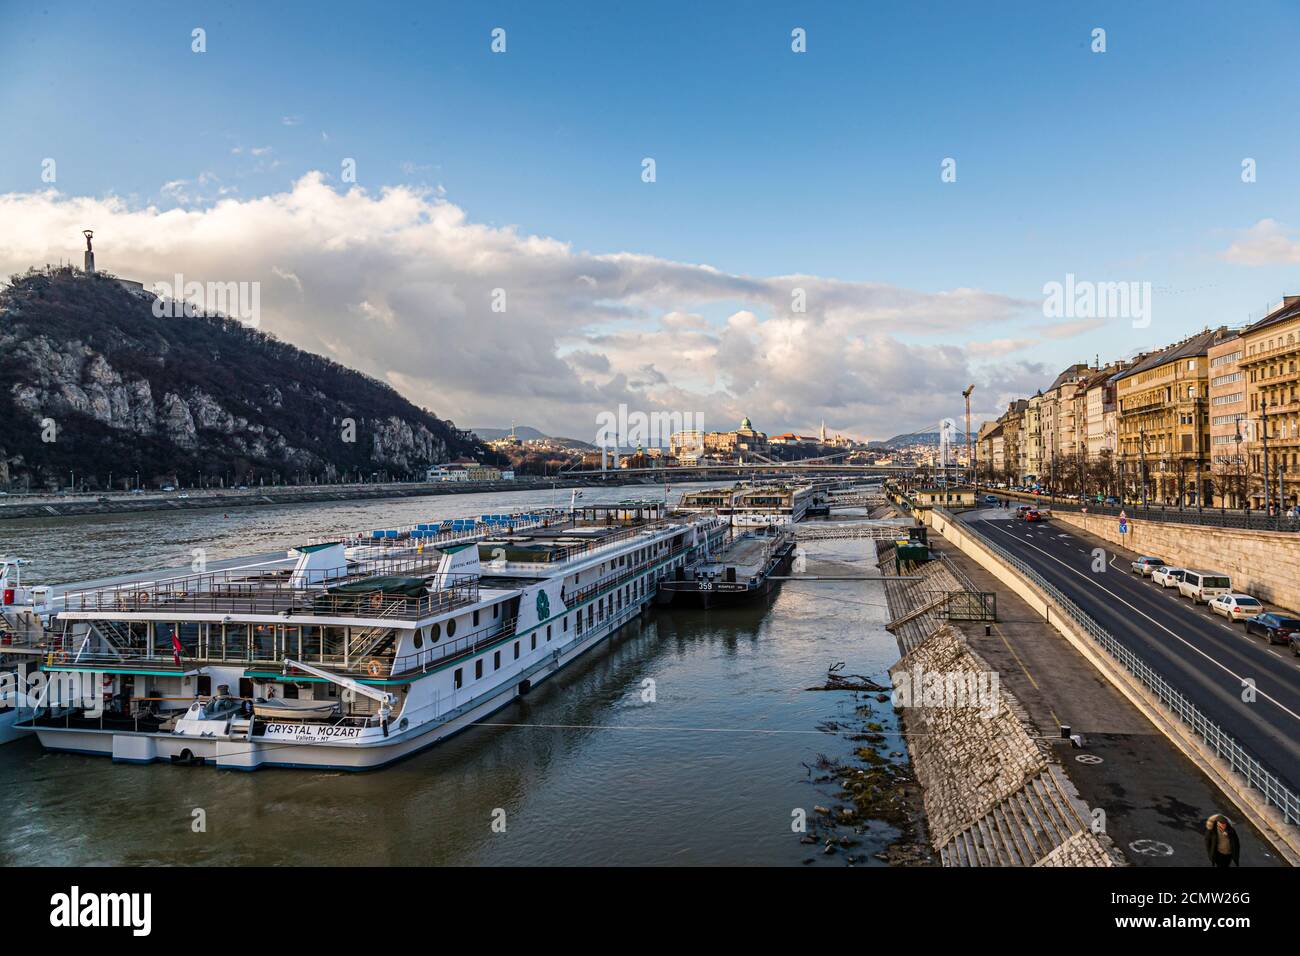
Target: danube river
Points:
(690, 738)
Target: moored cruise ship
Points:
(351, 654)
(751, 506)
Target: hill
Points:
(93, 383)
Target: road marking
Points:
(1183, 641)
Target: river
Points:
(690, 738)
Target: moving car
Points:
(1167, 577)
(1033, 515)
(1145, 565)
(992, 499)
(1236, 607)
(1201, 586)
(1276, 628)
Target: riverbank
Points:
(302, 494)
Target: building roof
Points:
(1289, 309)
(1076, 371)
(1192, 347)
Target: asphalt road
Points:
(1199, 653)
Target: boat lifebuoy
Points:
(376, 600)
(61, 657)
(142, 597)
(374, 668)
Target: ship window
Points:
(496, 660)
(565, 619)
(494, 611)
(534, 644)
(516, 650)
(436, 631)
(478, 668)
(476, 618)
(419, 641)
(458, 678)
(451, 628)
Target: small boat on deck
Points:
(283, 708)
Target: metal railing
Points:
(422, 659)
(1187, 514)
(1240, 760)
(223, 593)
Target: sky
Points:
(852, 233)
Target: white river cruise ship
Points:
(353, 653)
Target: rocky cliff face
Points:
(92, 382)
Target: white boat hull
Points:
(238, 753)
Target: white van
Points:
(1201, 586)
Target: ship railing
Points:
(223, 594)
(428, 657)
(581, 596)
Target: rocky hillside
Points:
(92, 382)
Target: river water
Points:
(689, 738)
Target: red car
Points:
(1033, 515)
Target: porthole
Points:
(437, 631)
(419, 641)
(451, 628)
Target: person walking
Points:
(1222, 845)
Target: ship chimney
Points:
(90, 253)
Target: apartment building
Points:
(1162, 421)
(1031, 439)
(1270, 373)
(1229, 425)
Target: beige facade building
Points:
(1229, 425)
(1163, 422)
(1270, 364)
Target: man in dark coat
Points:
(1221, 842)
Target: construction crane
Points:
(971, 456)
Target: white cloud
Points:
(1263, 244)
(399, 284)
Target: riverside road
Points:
(1199, 653)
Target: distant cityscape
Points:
(527, 451)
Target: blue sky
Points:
(1115, 166)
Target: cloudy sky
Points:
(798, 256)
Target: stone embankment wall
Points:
(1263, 563)
(994, 794)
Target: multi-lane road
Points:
(1251, 690)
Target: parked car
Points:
(168, 487)
(1276, 628)
(992, 499)
(1112, 500)
(1144, 566)
(1167, 577)
(1201, 586)
(1236, 607)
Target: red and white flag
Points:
(176, 648)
